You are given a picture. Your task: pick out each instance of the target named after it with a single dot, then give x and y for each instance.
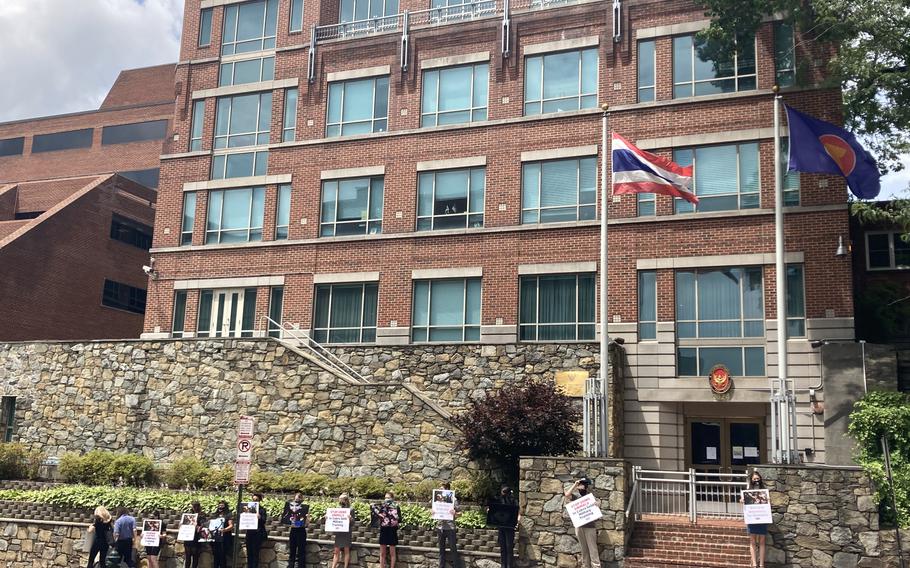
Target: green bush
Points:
(99, 467)
(370, 487)
(471, 518)
(420, 491)
(19, 462)
(413, 515)
(337, 486)
(188, 472)
(219, 479)
(265, 481)
(131, 469)
(309, 483)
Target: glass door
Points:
(227, 313)
(745, 444)
(725, 445)
(706, 448)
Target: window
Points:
(249, 71)
(131, 232)
(796, 301)
(136, 132)
(149, 178)
(355, 10)
(196, 129)
(62, 140)
(446, 310)
(243, 120)
(646, 76)
(226, 313)
(123, 297)
(784, 54)
(457, 9)
(647, 204)
(235, 216)
(791, 179)
(351, 207)
(296, 23)
(8, 418)
(725, 177)
(179, 321)
(450, 199)
(558, 190)
(289, 132)
(189, 218)
(455, 95)
(205, 28)
(249, 27)
(887, 251)
(12, 146)
(716, 304)
(276, 304)
(244, 164)
(345, 313)
(283, 215)
(358, 107)
(557, 307)
(561, 81)
(695, 73)
(647, 305)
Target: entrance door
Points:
(230, 314)
(725, 445)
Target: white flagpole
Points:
(604, 335)
(785, 430)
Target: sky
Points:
(63, 55)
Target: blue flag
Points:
(820, 147)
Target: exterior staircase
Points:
(674, 542)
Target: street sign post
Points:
(242, 464)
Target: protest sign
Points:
(757, 507)
(443, 505)
(337, 519)
(187, 531)
(151, 532)
(584, 510)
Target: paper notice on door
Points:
(751, 452)
(710, 453)
(737, 452)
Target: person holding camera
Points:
(506, 533)
(587, 533)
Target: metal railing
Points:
(457, 13)
(356, 28)
(315, 349)
(689, 494)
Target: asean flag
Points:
(637, 171)
(820, 147)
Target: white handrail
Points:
(327, 357)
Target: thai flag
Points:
(637, 171)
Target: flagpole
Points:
(785, 413)
(604, 335)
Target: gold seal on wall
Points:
(720, 381)
(571, 383)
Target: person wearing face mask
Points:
(343, 539)
(757, 533)
(388, 514)
(507, 534)
(587, 533)
(222, 525)
(296, 514)
(255, 537)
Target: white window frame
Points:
(265, 41)
(220, 164)
(468, 214)
(464, 325)
(736, 77)
(214, 236)
(471, 109)
(223, 141)
(372, 120)
(579, 96)
(232, 65)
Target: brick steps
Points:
(675, 543)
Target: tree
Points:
(894, 214)
(870, 64)
(531, 419)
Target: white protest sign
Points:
(337, 520)
(443, 505)
(187, 531)
(583, 511)
(249, 516)
(757, 507)
(151, 532)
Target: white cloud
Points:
(62, 56)
(893, 185)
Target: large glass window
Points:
(249, 71)
(249, 27)
(647, 204)
(276, 305)
(69, 140)
(136, 132)
(235, 215)
(351, 207)
(243, 120)
(345, 313)
(557, 307)
(796, 301)
(356, 10)
(700, 69)
(189, 218)
(12, 146)
(149, 178)
(205, 28)
(450, 199)
(283, 214)
(791, 179)
(123, 297)
(178, 322)
(446, 310)
(558, 190)
(647, 304)
(455, 95)
(725, 177)
(646, 74)
(561, 81)
(784, 54)
(131, 232)
(243, 164)
(296, 16)
(289, 130)
(720, 303)
(196, 128)
(358, 107)
(887, 251)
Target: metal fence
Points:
(689, 494)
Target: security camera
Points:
(147, 269)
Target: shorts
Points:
(757, 529)
(343, 539)
(388, 536)
(152, 550)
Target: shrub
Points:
(131, 469)
(186, 472)
(477, 487)
(531, 419)
(309, 483)
(420, 491)
(370, 487)
(90, 468)
(335, 487)
(264, 481)
(219, 479)
(19, 462)
(472, 518)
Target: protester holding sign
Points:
(388, 516)
(221, 533)
(445, 511)
(296, 515)
(191, 525)
(255, 535)
(343, 538)
(153, 538)
(587, 532)
(506, 503)
(757, 514)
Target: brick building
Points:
(77, 195)
(403, 173)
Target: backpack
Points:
(389, 516)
